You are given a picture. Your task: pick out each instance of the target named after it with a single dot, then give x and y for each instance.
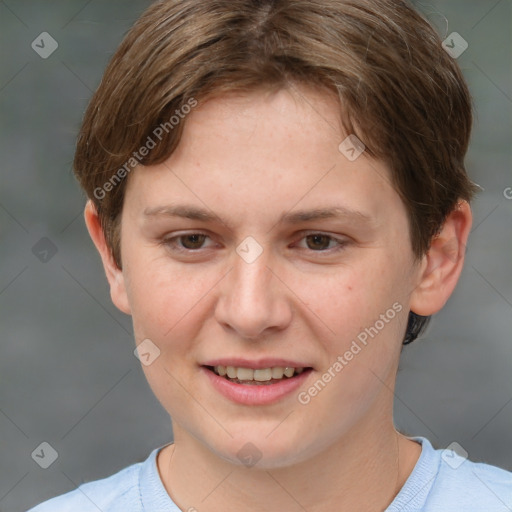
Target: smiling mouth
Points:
(260, 376)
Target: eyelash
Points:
(171, 242)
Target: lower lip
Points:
(254, 394)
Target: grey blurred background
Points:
(68, 375)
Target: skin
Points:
(248, 159)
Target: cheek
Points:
(166, 309)
(162, 300)
(353, 298)
(362, 353)
(366, 312)
(171, 304)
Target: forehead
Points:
(297, 105)
(264, 151)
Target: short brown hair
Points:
(402, 94)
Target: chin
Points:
(260, 452)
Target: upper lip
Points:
(268, 362)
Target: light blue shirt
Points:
(441, 481)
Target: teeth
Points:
(244, 374)
(259, 375)
(277, 372)
(289, 372)
(263, 374)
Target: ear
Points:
(114, 274)
(441, 267)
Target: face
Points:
(301, 258)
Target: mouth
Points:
(257, 376)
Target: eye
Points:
(191, 242)
(320, 242)
(186, 242)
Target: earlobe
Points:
(114, 274)
(441, 267)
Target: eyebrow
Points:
(296, 217)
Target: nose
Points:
(254, 301)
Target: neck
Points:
(364, 470)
